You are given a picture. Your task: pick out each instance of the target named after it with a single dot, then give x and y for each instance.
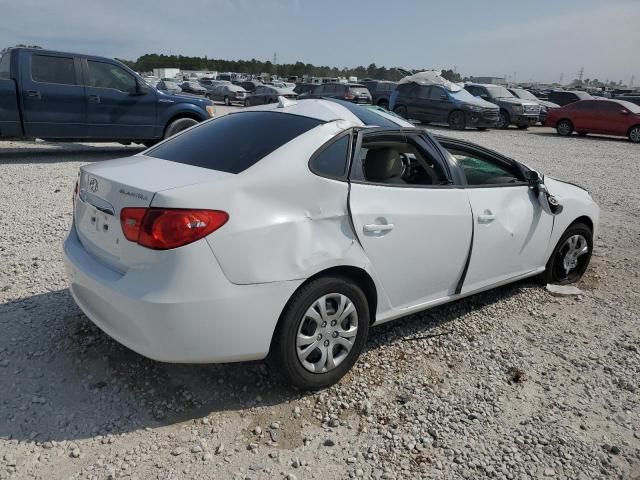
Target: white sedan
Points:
(287, 230)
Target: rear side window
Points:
(331, 161)
(234, 142)
(5, 69)
(47, 69)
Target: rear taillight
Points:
(165, 228)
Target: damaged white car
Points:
(288, 230)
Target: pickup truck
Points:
(73, 97)
(513, 110)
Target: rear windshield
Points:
(234, 142)
(365, 115)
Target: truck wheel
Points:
(456, 120)
(504, 120)
(179, 125)
(227, 101)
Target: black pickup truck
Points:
(73, 97)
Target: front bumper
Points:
(525, 119)
(182, 309)
(482, 119)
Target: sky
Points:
(525, 40)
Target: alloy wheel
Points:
(634, 135)
(502, 120)
(564, 128)
(572, 256)
(326, 333)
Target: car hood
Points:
(478, 102)
(184, 97)
(516, 101)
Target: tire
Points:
(504, 120)
(562, 270)
(564, 127)
(634, 134)
(523, 127)
(384, 104)
(313, 372)
(179, 125)
(401, 110)
(457, 120)
(227, 102)
(247, 103)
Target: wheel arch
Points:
(582, 219)
(637, 125)
(178, 116)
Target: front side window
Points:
(424, 92)
(232, 143)
(484, 171)
(436, 93)
(399, 161)
(47, 69)
(107, 75)
(331, 161)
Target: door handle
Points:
(376, 227)
(34, 94)
(94, 99)
(486, 217)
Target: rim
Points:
(635, 134)
(564, 128)
(572, 257)
(502, 120)
(327, 333)
(457, 119)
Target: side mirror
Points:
(533, 179)
(141, 89)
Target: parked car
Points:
(608, 117)
(228, 93)
(209, 84)
(630, 98)
(191, 86)
(353, 92)
(301, 88)
(434, 103)
(288, 230)
(513, 110)
(264, 94)
(168, 87)
(380, 91)
(67, 96)
(250, 85)
(564, 97)
(545, 105)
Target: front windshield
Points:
(500, 92)
(463, 95)
(521, 93)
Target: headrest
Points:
(382, 164)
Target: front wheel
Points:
(227, 101)
(564, 128)
(401, 110)
(384, 104)
(634, 134)
(179, 125)
(247, 103)
(457, 120)
(571, 257)
(321, 333)
(504, 120)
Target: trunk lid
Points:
(106, 188)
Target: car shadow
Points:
(37, 152)
(589, 137)
(61, 378)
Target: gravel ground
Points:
(513, 383)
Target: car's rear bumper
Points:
(182, 309)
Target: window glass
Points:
(365, 114)
(5, 68)
(259, 90)
(393, 160)
(332, 160)
(436, 93)
(232, 143)
(424, 92)
(48, 69)
(481, 171)
(106, 75)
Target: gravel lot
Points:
(513, 383)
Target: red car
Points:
(609, 117)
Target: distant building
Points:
(166, 72)
(493, 80)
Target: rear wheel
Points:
(384, 104)
(247, 103)
(457, 120)
(571, 257)
(401, 110)
(634, 134)
(564, 127)
(321, 333)
(504, 120)
(179, 125)
(227, 101)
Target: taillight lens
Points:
(165, 228)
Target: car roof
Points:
(325, 110)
